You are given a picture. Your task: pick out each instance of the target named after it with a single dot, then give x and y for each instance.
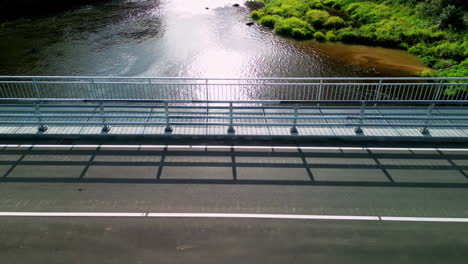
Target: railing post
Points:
(149, 88)
(231, 129)
(320, 92)
(207, 104)
(94, 90)
(438, 91)
(168, 128)
(42, 127)
(378, 92)
(38, 94)
(105, 127)
(293, 129)
(425, 130)
(358, 129)
(206, 86)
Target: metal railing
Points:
(265, 89)
(231, 103)
(291, 114)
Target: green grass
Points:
(269, 21)
(334, 22)
(316, 17)
(294, 27)
(319, 36)
(426, 28)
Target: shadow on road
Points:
(267, 166)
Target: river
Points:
(178, 38)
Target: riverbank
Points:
(386, 61)
(440, 41)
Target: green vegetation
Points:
(269, 21)
(334, 22)
(319, 36)
(316, 17)
(294, 27)
(433, 30)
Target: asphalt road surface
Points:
(265, 187)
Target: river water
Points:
(179, 38)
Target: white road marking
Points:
(141, 146)
(452, 149)
(72, 214)
(229, 215)
(267, 216)
(425, 219)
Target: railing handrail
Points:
(233, 79)
(231, 84)
(358, 102)
(226, 90)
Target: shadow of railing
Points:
(365, 168)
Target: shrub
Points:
(448, 50)
(330, 36)
(269, 21)
(414, 35)
(256, 14)
(334, 22)
(451, 16)
(316, 17)
(319, 36)
(285, 27)
(299, 33)
(443, 64)
(420, 49)
(329, 3)
(349, 35)
(439, 35)
(286, 8)
(368, 12)
(286, 11)
(445, 13)
(428, 60)
(316, 4)
(460, 70)
(351, 8)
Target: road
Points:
(252, 181)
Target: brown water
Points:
(179, 38)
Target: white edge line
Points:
(118, 146)
(425, 219)
(452, 149)
(150, 146)
(229, 215)
(253, 147)
(396, 149)
(189, 215)
(72, 214)
(263, 216)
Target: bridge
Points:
(270, 108)
(74, 178)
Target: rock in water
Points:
(235, 5)
(249, 23)
(254, 5)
